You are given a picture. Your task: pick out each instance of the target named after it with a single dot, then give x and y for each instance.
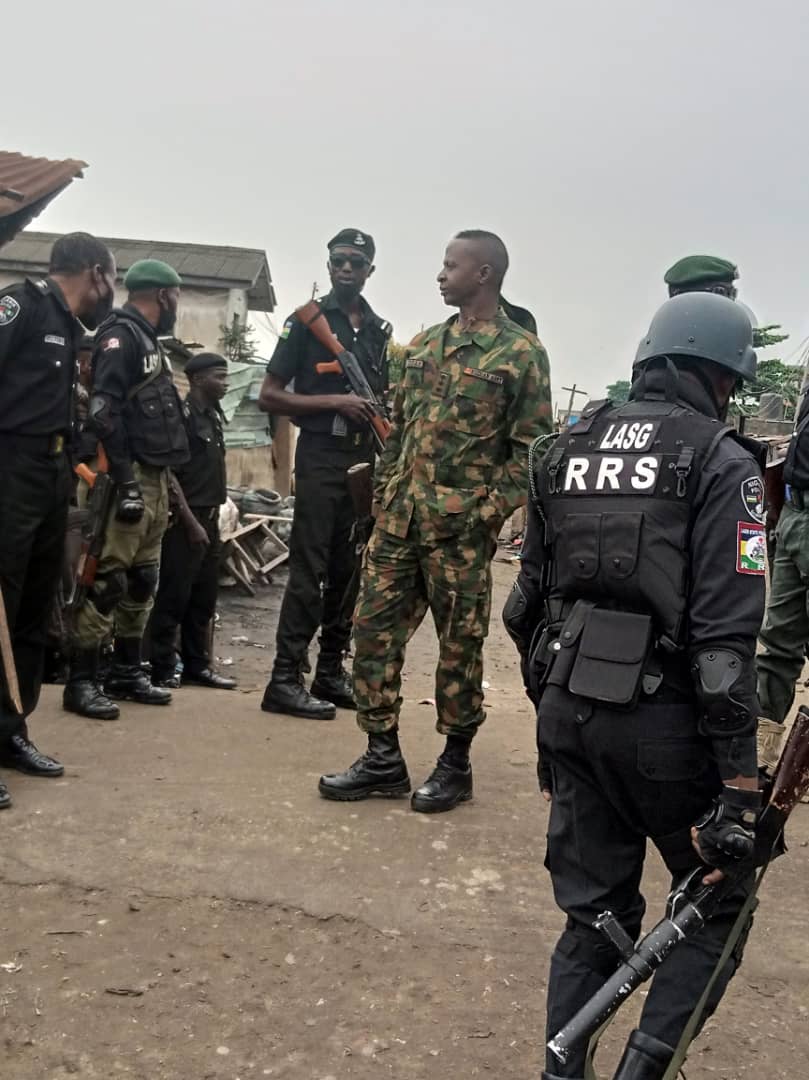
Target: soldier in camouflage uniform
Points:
(474, 395)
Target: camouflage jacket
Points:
(464, 415)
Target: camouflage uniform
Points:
(469, 406)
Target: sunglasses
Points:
(357, 261)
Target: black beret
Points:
(700, 270)
(203, 361)
(354, 238)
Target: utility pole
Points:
(573, 391)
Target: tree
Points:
(618, 392)
(238, 341)
(774, 377)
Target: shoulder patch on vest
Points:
(9, 310)
(753, 497)
(751, 549)
(111, 343)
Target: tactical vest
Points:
(153, 413)
(617, 493)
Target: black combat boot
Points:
(128, 681)
(450, 782)
(380, 771)
(645, 1058)
(83, 693)
(332, 681)
(287, 694)
(5, 798)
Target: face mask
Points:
(166, 321)
(99, 312)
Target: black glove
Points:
(131, 506)
(727, 832)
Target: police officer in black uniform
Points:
(189, 563)
(136, 413)
(334, 435)
(39, 336)
(636, 610)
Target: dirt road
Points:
(183, 905)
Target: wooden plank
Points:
(271, 565)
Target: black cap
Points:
(203, 361)
(361, 241)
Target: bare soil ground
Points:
(183, 906)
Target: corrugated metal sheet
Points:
(200, 265)
(27, 185)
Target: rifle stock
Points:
(345, 364)
(691, 903)
(101, 491)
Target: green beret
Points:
(700, 270)
(203, 361)
(151, 274)
(361, 241)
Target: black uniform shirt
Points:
(39, 339)
(796, 467)
(298, 351)
(203, 478)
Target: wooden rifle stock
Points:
(344, 364)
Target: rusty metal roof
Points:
(27, 185)
(204, 266)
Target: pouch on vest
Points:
(564, 649)
(611, 657)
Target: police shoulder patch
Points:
(9, 310)
(111, 343)
(286, 329)
(751, 549)
(753, 497)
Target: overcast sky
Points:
(601, 140)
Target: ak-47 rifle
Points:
(99, 503)
(691, 903)
(346, 364)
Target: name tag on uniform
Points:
(486, 376)
(636, 436)
(414, 362)
(54, 339)
(606, 474)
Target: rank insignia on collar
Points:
(9, 310)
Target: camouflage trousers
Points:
(402, 579)
(131, 555)
(786, 624)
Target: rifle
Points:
(691, 904)
(99, 503)
(346, 364)
(7, 658)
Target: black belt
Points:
(50, 445)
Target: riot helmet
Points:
(703, 326)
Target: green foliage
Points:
(764, 336)
(396, 359)
(238, 341)
(618, 392)
(774, 377)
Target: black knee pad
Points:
(107, 590)
(142, 581)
